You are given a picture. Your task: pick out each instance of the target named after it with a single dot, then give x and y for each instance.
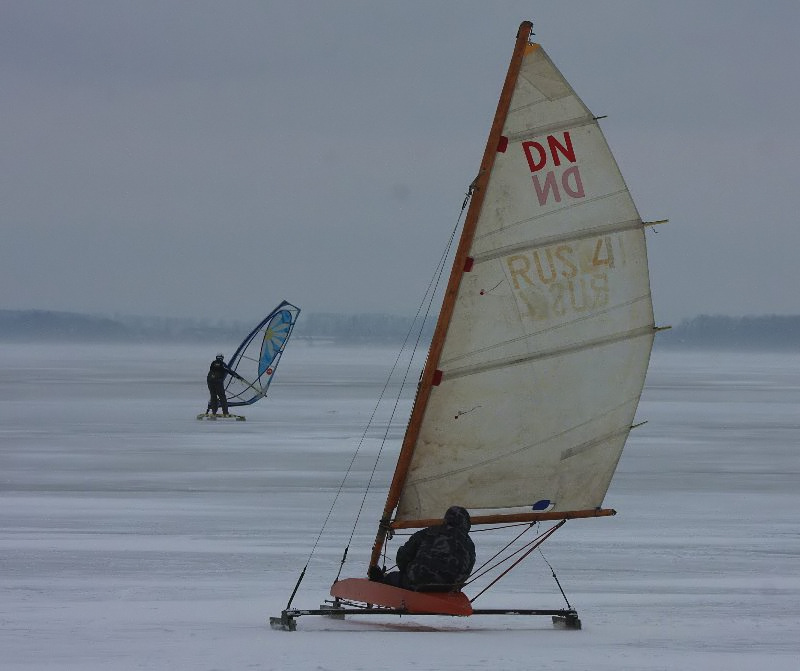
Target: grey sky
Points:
(209, 159)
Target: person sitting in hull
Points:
(436, 559)
(215, 379)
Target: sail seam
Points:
(579, 448)
(645, 297)
(549, 129)
(561, 210)
(536, 356)
(589, 444)
(616, 227)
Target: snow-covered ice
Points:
(134, 537)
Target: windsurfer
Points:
(215, 379)
(436, 559)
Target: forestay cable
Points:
(428, 298)
(427, 303)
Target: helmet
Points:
(220, 356)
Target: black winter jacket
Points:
(439, 558)
(217, 371)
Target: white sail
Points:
(545, 354)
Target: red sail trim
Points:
(380, 594)
(514, 517)
(502, 145)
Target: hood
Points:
(456, 516)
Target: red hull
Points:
(379, 594)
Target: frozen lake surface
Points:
(134, 537)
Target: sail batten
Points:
(537, 131)
(566, 454)
(550, 443)
(533, 356)
(571, 236)
(594, 442)
(451, 363)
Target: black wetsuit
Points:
(217, 373)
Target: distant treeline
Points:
(767, 332)
(41, 325)
(770, 332)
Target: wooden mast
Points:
(448, 304)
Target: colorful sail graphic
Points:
(275, 336)
(256, 359)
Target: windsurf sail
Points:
(257, 358)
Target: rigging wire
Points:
(344, 479)
(482, 569)
(555, 577)
(427, 303)
(428, 297)
(525, 550)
